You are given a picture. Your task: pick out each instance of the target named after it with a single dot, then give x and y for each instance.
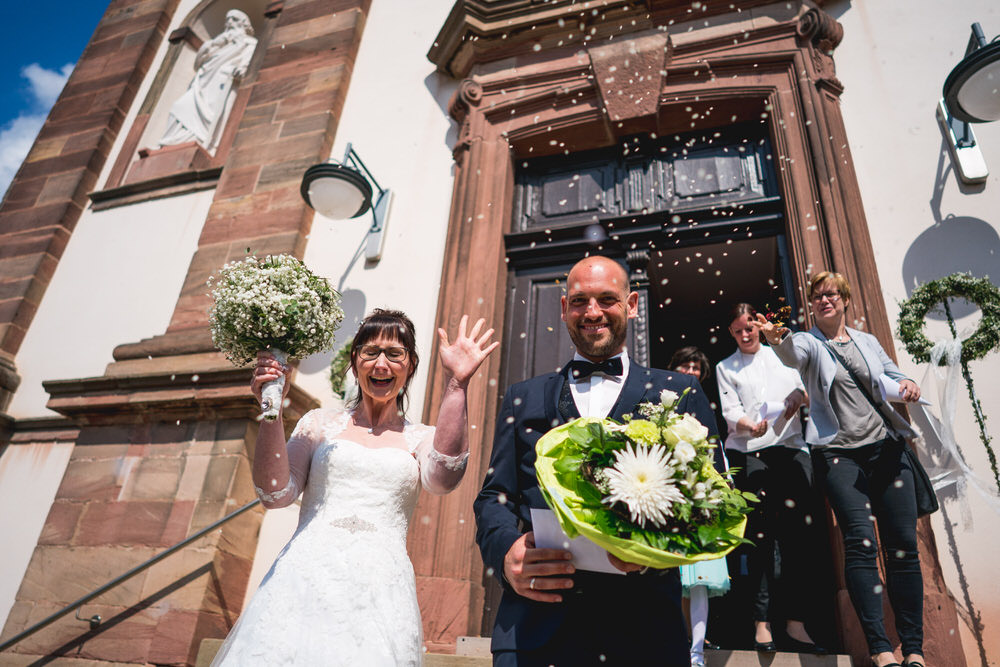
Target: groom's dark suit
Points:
(629, 620)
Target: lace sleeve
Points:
(306, 436)
(439, 473)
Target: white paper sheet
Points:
(771, 410)
(891, 391)
(586, 555)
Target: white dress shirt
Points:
(596, 394)
(745, 382)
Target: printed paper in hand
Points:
(891, 391)
(586, 555)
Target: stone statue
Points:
(196, 114)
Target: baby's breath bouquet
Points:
(646, 490)
(274, 304)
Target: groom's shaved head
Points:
(608, 269)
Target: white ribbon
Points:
(271, 393)
(938, 446)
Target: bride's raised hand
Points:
(772, 333)
(463, 356)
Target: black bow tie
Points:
(580, 369)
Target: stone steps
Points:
(720, 658)
(475, 652)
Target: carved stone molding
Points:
(187, 35)
(822, 29)
(824, 33)
(629, 74)
(468, 96)
(638, 263)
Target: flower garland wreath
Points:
(986, 338)
(339, 366)
(980, 291)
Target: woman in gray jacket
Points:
(857, 444)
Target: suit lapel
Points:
(632, 393)
(553, 389)
(567, 406)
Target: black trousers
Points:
(869, 483)
(609, 623)
(788, 522)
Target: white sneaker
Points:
(697, 660)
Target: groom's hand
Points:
(534, 573)
(622, 565)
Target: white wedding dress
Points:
(342, 591)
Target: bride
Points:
(342, 591)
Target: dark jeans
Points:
(787, 516)
(862, 485)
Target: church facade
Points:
(722, 152)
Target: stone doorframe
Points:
(566, 77)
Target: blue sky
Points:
(43, 39)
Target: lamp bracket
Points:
(380, 221)
(350, 156)
(966, 156)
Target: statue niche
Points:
(221, 62)
(195, 124)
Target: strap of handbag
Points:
(927, 502)
(860, 385)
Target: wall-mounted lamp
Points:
(341, 190)
(971, 95)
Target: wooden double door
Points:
(697, 220)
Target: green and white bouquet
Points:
(274, 304)
(645, 490)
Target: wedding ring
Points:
(531, 584)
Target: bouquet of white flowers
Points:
(276, 304)
(646, 490)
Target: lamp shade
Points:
(336, 191)
(972, 89)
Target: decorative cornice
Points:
(482, 31)
(166, 396)
(486, 30)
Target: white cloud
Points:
(46, 84)
(17, 135)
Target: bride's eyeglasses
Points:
(372, 352)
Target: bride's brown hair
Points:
(392, 324)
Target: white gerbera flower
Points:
(641, 477)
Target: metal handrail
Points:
(96, 620)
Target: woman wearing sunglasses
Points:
(342, 591)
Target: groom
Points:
(551, 614)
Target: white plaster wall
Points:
(395, 115)
(29, 478)
(117, 282)
(893, 62)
